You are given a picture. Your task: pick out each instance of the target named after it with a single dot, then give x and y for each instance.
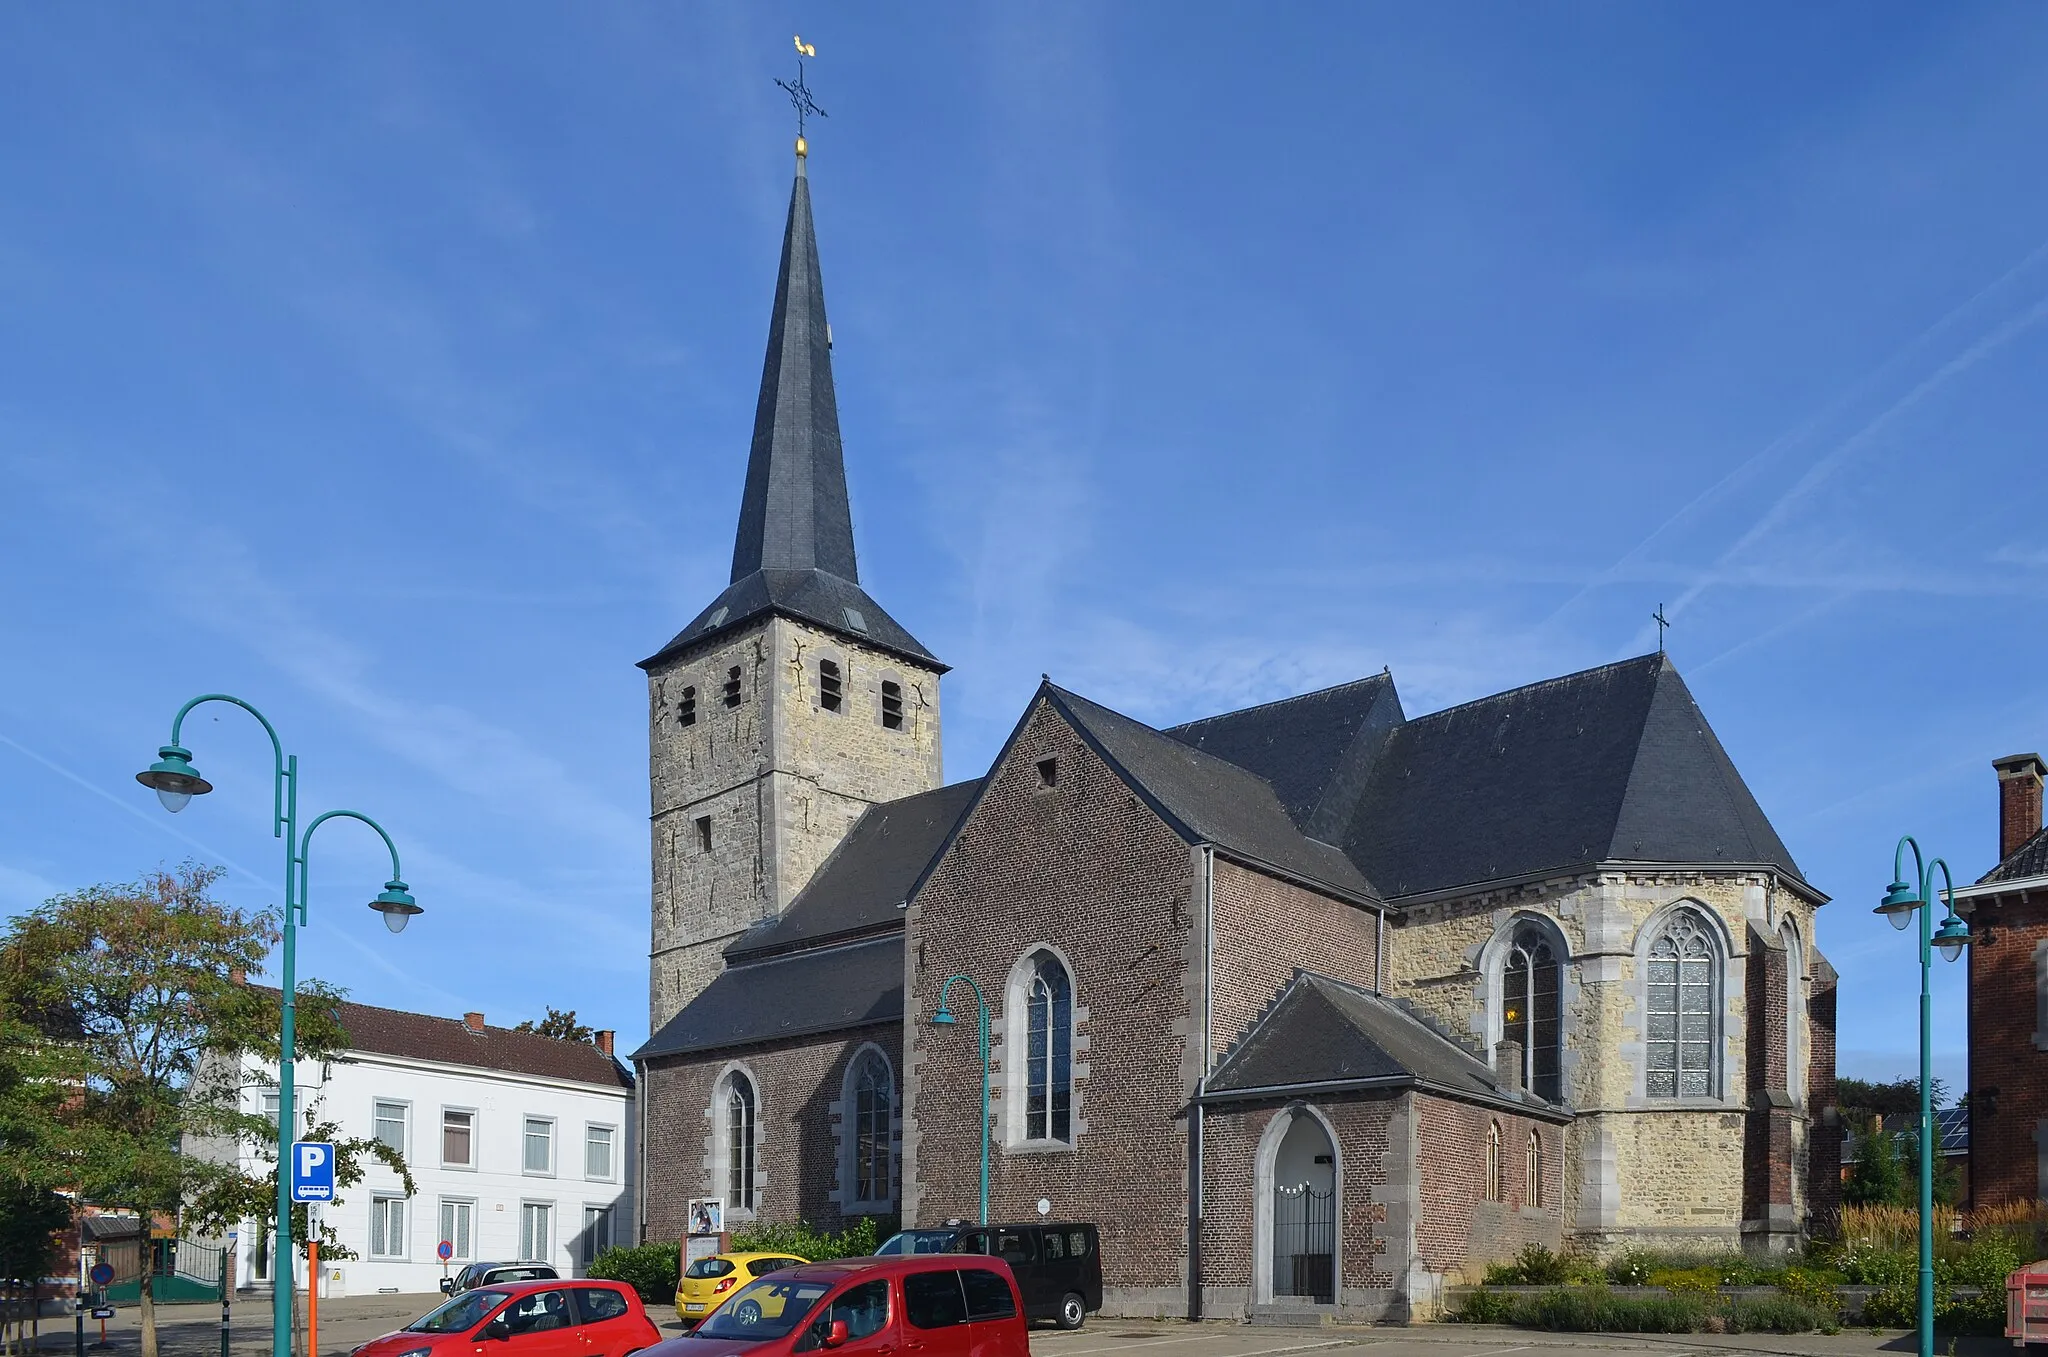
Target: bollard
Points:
(78, 1313)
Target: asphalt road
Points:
(194, 1331)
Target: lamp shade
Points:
(396, 904)
(173, 778)
(1899, 903)
(1951, 938)
(943, 1018)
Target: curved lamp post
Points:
(1901, 902)
(176, 782)
(944, 1018)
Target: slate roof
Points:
(1321, 1031)
(1314, 749)
(422, 1036)
(2028, 860)
(795, 994)
(1614, 764)
(1212, 800)
(861, 887)
(793, 553)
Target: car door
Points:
(1017, 1245)
(994, 1327)
(604, 1325)
(538, 1324)
(934, 1314)
(872, 1319)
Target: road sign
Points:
(444, 1250)
(312, 1171)
(102, 1274)
(102, 1312)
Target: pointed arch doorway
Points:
(1295, 1217)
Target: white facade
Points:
(544, 1170)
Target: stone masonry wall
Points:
(780, 779)
(1265, 929)
(1635, 1168)
(797, 1086)
(1087, 868)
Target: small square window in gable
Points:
(892, 705)
(1048, 774)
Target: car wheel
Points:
(748, 1313)
(1072, 1311)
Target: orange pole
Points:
(313, 1300)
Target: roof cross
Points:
(1663, 623)
(800, 93)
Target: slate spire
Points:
(794, 514)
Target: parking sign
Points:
(312, 1171)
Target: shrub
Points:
(857, 1240)
(1593, 1309)
(1700, 1284)
(1631, 1267)
(1813, 1288)
(1778, 1314)
(1485, 1307)
(1538, 1266)
(650, 1269)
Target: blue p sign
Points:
(312, 1171)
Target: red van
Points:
(934, 1305)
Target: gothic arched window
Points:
(873, 1107)
(1049, 1053)
(1531, 1009)
(1495, 1188)
(739, 1141)
(1682, 1028)
(1533, 1170)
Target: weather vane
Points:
(1663, 623)
(800, 94)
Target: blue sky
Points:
(394, 369)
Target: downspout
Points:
(640, 1151)
(1198, 1112)
(1379, 951)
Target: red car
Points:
(933, 1305)
(526, 1319)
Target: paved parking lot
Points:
(194, 1331)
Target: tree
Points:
(1898, 1097)
(29, 1220)
(559, 1025)
(1878, 1178)
(130, 1002)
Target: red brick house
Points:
(2008, 913)
(1314, 1004)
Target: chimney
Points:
(604, 1040)
(2019, 800)
(1507, 1065)
(473, 1021)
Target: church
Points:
(1313, 1005)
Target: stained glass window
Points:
(1680, 1038)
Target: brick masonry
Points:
(2008, 961)
(780, 778)
(798, 1132)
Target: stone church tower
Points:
(793, 702)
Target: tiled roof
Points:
(447, 1041)
(2028, 860)
(793, 994)
(1321, 1031)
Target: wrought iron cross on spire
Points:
(800, 93)
(1663, 624)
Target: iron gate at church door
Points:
(1305, 1243)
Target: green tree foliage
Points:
(1878, 1178)
(1899, 1097)
(29, 1220)
(559, 1025)
(125, 1024)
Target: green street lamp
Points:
(175, 782)
(1900, 903)
(944, 1018)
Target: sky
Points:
(394, 367)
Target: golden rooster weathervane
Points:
(800, 94)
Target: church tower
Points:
(793, 702)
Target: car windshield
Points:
(459, 1315)
(770, 1308)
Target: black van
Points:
(1058, 1267)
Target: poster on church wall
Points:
(707, 1215)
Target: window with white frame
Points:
(1680, 1009)
(387, 1226)
(271, 1103)
(1531, 1009)
(1795, 1013)
(458, 1138)
(1532, 1191)
(597, 1152)
(1495, 1188)
(458, 1228)
(389, 1127)
(536, 1231)
(538, 1151)
(873, 1108)
(1049, 1052)
(597, 1232)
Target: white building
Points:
(520, 1146)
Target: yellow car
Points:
(707, 1282)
